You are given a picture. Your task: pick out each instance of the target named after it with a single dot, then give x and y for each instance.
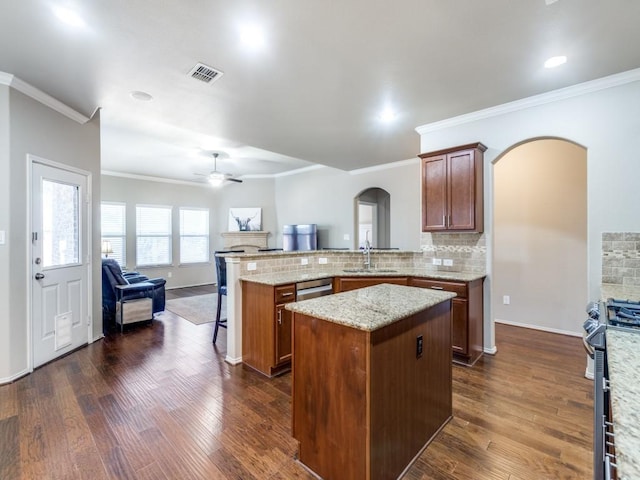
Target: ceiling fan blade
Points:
(237, 180)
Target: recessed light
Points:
(252, 36)
(387, 115)
(141, 96)
(69, 17)
(555, 61)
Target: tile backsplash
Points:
(621, 258)
(467, 250)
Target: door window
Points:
(60, 224)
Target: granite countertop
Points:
(283, 278)
(623, 355)
(371, 308)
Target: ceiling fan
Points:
(216, 178)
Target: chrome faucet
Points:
(367, 252)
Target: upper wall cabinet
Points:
(452, 189)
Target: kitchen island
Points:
(371, 379)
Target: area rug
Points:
(199, 309)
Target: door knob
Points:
(39, 276)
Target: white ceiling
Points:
(313, 92)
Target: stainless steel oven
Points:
(595, 342)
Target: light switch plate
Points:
(322, 261)
(447, 262)
(437, 261)
(2, 237)
(304, 261)
(346, 236)
(252, 266)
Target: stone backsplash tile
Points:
(621, 258)
(467, 250)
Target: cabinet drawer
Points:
(459, 289)
(285, 293)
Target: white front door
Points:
(59, 262)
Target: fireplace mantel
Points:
(249, 241)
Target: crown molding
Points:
(534, 101)
(43, 98)
(384, 166)
(149, 178)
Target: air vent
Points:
(204, 73)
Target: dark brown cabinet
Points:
(266, 327)
(345, 284)
(467, 316)
(452, 189)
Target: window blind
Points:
(194, 235)
(153, 235)
(113, 225)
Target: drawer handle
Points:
(437, 288)
(288, 294)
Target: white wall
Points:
(38, 130)
(5, 253)
(606, 122)
(134, 191)
(326, 196)
(540, 236)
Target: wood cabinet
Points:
(365, 403)
(345, 284)
(467, 316)
(266, 327)
(452, 189)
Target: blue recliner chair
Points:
(137, 286)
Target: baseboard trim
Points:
(15, 377)
(491, 351)
(188, 286)
(537, 327)
(233, 361)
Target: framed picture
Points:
(245, 219)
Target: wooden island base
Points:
(365, 403)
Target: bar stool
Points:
(221, 273)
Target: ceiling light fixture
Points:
(387, 115)
(252, 36)
(216, 179)
(141, 96)
(555, 61)
(69, 17)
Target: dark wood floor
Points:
(159, 402)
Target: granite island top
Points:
(371, 308)
(623, 355)
(295, 276)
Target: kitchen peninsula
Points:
(371, 378)
(277, 270)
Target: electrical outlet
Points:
(447, 262)
(2, 237)
(322, 261)
(506, 300)
(346, 236)
(169, 274)
(304, 261)
(252, 266)
(437, 261)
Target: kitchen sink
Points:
(368, 270)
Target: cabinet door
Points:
(462, 191)
(460, 337)
(434, 193)
(346, 284)
(283, 334)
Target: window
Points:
(194, 235)
(153, 235)
(113, 224)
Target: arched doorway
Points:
(539, 263)
(373, 218)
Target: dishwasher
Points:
(313, 288)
